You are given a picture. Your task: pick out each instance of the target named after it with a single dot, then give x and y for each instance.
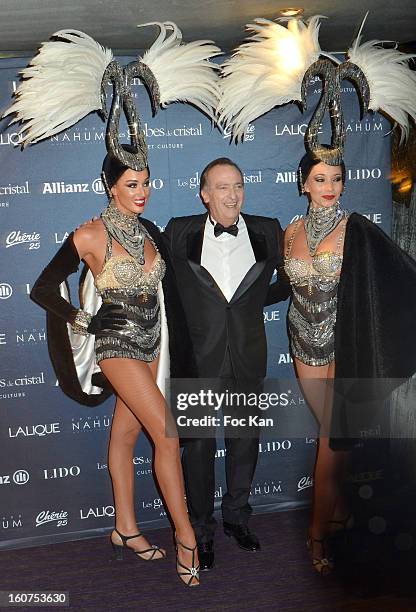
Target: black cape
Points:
(375, 333)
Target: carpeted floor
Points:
(369, 577)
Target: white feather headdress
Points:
(267, 71)
(63, 83)
(183, 71)
(392, 85)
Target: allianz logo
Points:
(97, 186)
(60, 187)
(305, 482)
(19, 477)
(6, 291)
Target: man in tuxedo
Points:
(223, 262)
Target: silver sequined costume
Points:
(313, 309)
(124, 282)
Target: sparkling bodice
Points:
(124, 272)
(313, 308)
(322, 272)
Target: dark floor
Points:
(371, 574)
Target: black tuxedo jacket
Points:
(215, 324)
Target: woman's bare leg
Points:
(125, 429)
(134, 383)
(329, 470)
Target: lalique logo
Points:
(40, 429)
(46, 516)
(11, 138)
(17, 237)
(305, 482)
(274, 315)
(97, 512)
(5, 291)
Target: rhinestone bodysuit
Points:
(313, 308)
(124, 282)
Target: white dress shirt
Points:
(227, 258)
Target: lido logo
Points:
(5, 291)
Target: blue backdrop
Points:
(54, 483)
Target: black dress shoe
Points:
(206, 555)
(243, 536)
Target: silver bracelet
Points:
(81, 322)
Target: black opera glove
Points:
(109, 317)
(46, 292)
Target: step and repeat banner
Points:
(54, 482)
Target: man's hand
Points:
(110, 316)
(87, 222)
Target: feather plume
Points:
(183, 70)
(61, 85)
(267, 70)
(392, 84)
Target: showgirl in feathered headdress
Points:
(346, 274)
(136, 338)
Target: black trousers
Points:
(198, 462)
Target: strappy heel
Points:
(119, 548)
(192, 571)
(323, 564)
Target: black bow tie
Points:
(231, 229)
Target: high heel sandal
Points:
(192, 571)
(324, 565)
(119, 548)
